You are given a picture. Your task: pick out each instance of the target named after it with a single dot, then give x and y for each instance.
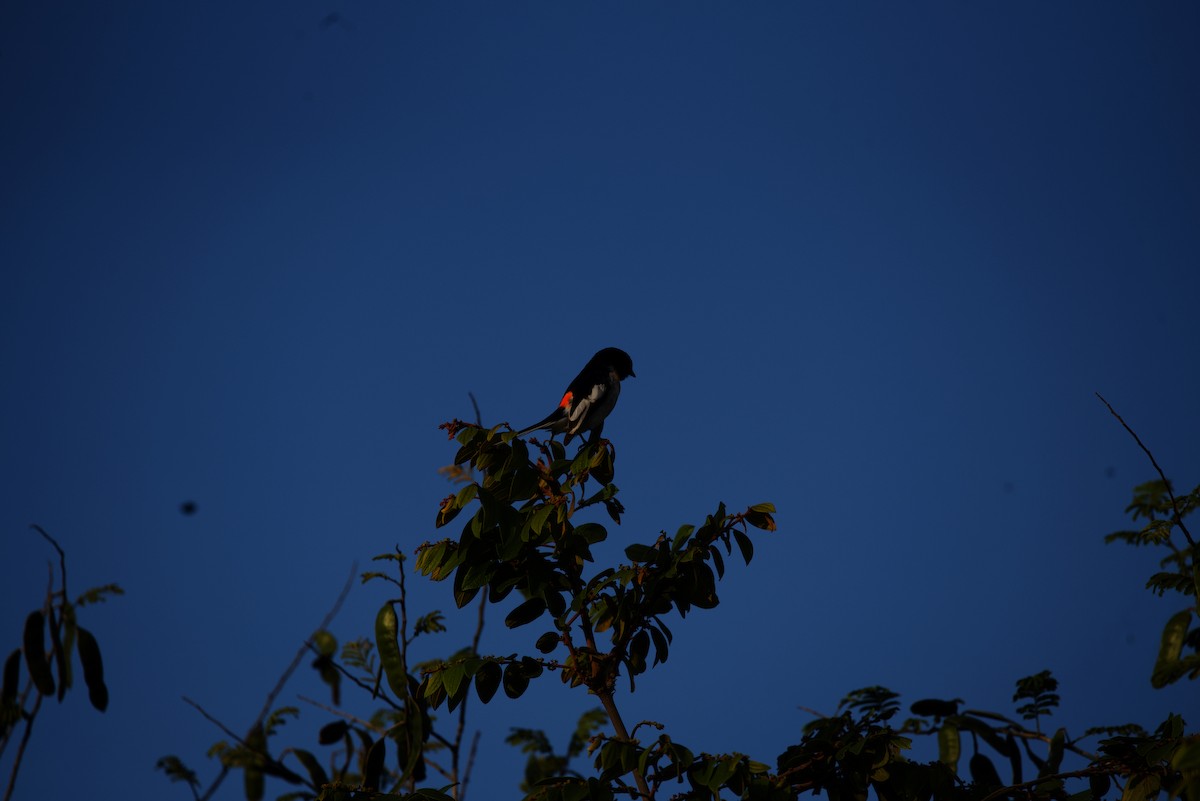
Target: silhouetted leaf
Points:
(548, 642)
(316, 773)
(759, 516)
(639, 647)
(35, 654)
(527, 612)
(373, 767)
(983, 772)
(93, 668)
(487, 680)
(515, 681)
(661, 649)
(331, 733)
(744, 545)
(935, 708)
(12, 678)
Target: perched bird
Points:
(590, 397)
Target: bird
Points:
(589, 398)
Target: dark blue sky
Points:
(871, 262)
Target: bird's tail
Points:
(547, 422)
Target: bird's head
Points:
(618, 361)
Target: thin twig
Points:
(211, 719)
(62, 556)
(466, 777)
(12, 779)
(339, 713)
(216, 783)
(287, 674)
(1074, 774)
(1174, 503)
(212, 788)
(374, 692)
(478, 416)
(456, 752)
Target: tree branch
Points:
(12, 779)
(1174, 503)
(1074, 774)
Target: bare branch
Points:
(287, 674)
(478, 416)
(1074, 774)
(62, 556)
(1174, 503)
(12, 779)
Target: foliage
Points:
(527, 543)
(49, 666)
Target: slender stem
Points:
(1074, 774)
(1174, 503)
(605, 694)
(466, 777)
(62, 557)
(12, 779)
(303, 649)
(456, 752)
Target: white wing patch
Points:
(590, 411)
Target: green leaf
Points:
(548, 642)
(1186, 758)
(640, 553)
(1167, 667)
(1159, 583)
(316, 773)
(591, 533)
(1140, 788)
(93, 668)
(537, 521)
(487, 680)
(1055, 753)
(527, 612)
(949, 746)
(452, 677)
(35, 653)
(681, 536)
(759, 516)
(254, 780)
(324, 642)
(387, 643)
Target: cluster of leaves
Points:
(523, 537)
(1156, 502)
(48, 670)
(525, 545)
